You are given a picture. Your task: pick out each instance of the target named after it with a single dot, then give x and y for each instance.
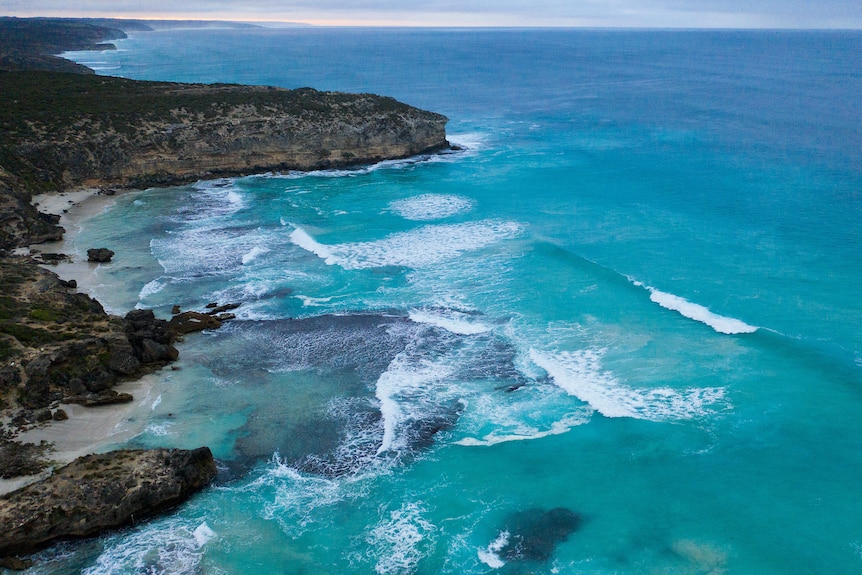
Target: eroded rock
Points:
(99, 255)
(190, 321)
(99, 492)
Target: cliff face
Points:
(99, 492)
(72, 130)
(61, 131)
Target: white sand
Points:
(91, 429)
(79, 206)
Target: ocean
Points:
(617, 331)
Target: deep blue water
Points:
(617, 333)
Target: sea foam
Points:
(418, 248)
(172, 545)
(450, 320)
(431, 206)
(580, 374)
(400, 390)
(398, 539)
(490, 555)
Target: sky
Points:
(577, 13)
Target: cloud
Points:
(711, 13)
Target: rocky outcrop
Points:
(99, 492)
(60, 346)
(68, 130)
(191, 321)
(99, 255)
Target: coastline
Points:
(88, 429)
(74, 209)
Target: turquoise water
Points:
(616, 333)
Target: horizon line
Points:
(341, 23)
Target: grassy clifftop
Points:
(66, 130)
(63, 130)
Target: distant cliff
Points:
(62, 131)
(31, 43)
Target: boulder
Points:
(99, 492)
(190, 321)
(99, 255)
(149, 337)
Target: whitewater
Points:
(614, 331)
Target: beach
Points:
(88, 429)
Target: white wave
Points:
(697, 312)
(151, 288)
(167, 546)
(203, 534)
(528, 413)
(308, 301)
(404, 379)
(253, 253)
(397, 540)
(301, 238)
(490, 555)
(579, 373)
(234, 198)
(431, 206)
(526, 433)
(467, 141)
(421, 247)
(450, 320)
(156, 403)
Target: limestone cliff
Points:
(69, 130)
(99, 492)
(62, 131)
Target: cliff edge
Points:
(63, 131)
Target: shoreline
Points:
(88, 429)
(74, 209)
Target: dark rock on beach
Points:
(149, 337)
(99, 255)
(99, 492)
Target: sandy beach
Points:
(74, 208)
(88, 429)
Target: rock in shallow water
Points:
(99, 492)
(99, 255)
(535, 533)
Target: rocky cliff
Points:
(99, 492)
(58, 345)
(63, 131)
